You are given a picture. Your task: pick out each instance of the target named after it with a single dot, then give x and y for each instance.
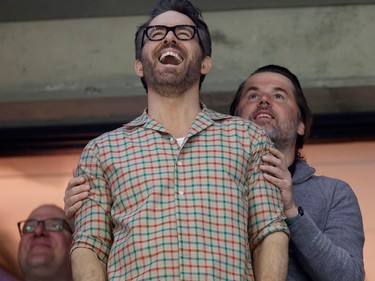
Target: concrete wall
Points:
(327, 47)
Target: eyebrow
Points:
(276, 89)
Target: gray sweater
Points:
(326, 243)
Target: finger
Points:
(278, 155)
(284, 177)
(285, 190)
(75, 181)
(76, 190)
(279, 182)
(275, 171)
(73, 203)
(275, 181)
(70, 212)
(271, 160)
(74, 195)
(70, 200)
(275, 152)
(275, 161)
(79, 197)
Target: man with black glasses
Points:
(43, 252)
(177, 194)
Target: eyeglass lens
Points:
(30, 226)
(182, 32)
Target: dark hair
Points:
(305, 113)
(183, 7)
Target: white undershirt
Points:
(180, 142)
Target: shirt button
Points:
(171, 139)
(179, 163)
(181, 192)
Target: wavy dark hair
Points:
(183, 7)
(304, 112)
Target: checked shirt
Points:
(160, 212)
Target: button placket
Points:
(180, 192)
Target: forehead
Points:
(171, 18)
(270, 80)
(46, 212)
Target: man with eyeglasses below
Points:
(43, 253)
(177, 193)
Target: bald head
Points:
(44, 254)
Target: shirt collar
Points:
(204, 118)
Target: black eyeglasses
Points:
(52, 224)
(158, 32)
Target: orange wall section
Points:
(26, 182)
(355, 164)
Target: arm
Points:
(92, 237)
(331, 247)
(330, 252)
(270, 235)
(271, 257)
(87, 266)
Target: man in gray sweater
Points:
(323, 215)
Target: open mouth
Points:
(263, 116)
(170, 58)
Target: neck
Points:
(289, 154)
(60, 275)
(54, 278)
(175, 113)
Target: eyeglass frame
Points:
(65, 225)
(170, 28)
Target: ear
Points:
(206, 65)
(301, 129)
(138, 68)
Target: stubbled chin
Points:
(262, 122)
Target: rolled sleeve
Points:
(92, 221)
(265, 204)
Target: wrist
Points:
(291, 212)
(291, 220)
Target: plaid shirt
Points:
(161, 212)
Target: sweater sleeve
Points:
(334, 252)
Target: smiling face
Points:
(172, 66)
(43, 253)
(268, 99)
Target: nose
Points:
(170, 37)
(264, 100)
(40, 229)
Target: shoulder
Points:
(335, 186)
(121, 133)
(240, 125)
(328, 187)
(308, 182)
(108, 137)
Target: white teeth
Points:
(170, 53)
(263, 115)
